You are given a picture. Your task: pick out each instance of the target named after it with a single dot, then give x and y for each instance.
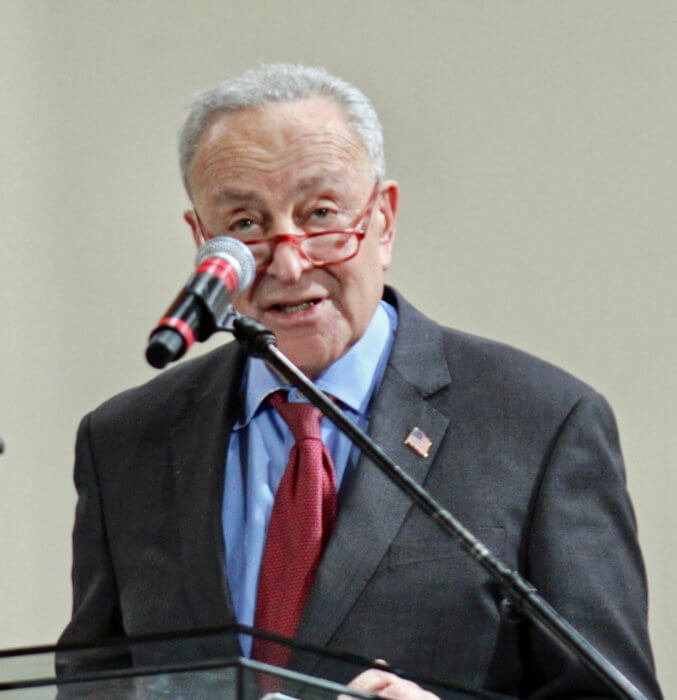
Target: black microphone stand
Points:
(260, 342)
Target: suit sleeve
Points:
(583, 556)
(96, 612)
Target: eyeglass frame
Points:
(297, 239)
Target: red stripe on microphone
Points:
(218, 267)
(181, 326)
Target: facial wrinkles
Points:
(240, 160)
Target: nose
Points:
(287, 262)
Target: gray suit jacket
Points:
(526, 456)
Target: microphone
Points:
(225, 267)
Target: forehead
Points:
(278, 144)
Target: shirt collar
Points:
(351, 379)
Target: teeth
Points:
(295, 308)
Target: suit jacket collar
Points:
(418, 352)
(374, 508)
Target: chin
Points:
(310, 366)
(312, 361)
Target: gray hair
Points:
(280, 82)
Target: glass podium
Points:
(205, 664)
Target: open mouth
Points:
(295, 308)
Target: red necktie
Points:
(300, 526)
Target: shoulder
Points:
(494, 372)
(162, 394)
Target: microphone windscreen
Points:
(233, 251)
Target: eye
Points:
(323, 214)
(243, 224)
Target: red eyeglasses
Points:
(320, 248)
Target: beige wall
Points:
(535, 145)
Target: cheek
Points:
(361, 294)
(245, 302)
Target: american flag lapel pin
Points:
(419, 442)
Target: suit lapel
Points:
(198, 445)
(374, 508)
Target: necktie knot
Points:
(302, 418)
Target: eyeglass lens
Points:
(326, 248)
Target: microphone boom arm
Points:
(522, 595)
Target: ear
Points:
(191, 219)
(388, 201)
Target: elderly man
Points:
(180, 523)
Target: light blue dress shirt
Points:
(261, 441)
